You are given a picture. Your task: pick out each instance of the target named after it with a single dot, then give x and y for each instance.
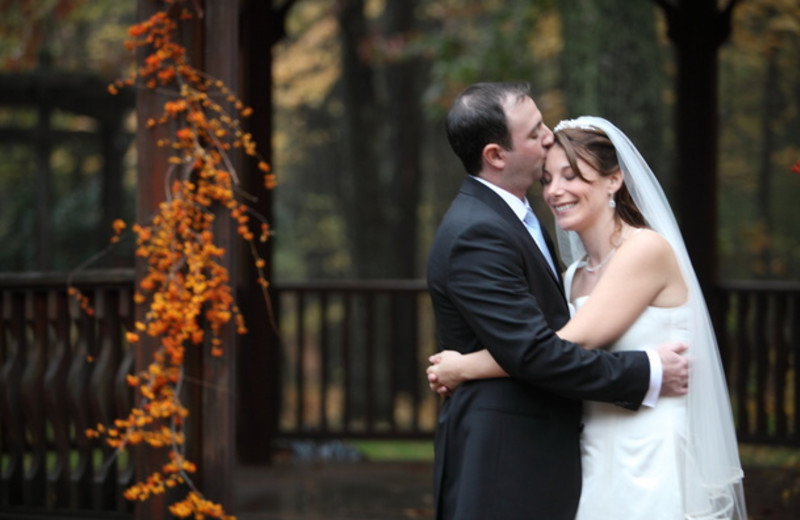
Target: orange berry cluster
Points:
(82, 299)
(158, 483)
(186, 286)
(195, 504)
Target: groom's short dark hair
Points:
(477, 118)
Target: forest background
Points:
(360, 90)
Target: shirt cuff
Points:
(656, 374)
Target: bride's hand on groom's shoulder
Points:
(443, 373)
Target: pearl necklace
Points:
(601, 264)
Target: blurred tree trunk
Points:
(403, 148)
(772, 107)
(44, 181)
(403, 145)
(361, 191)
(381, 187)
(612, 67)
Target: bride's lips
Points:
(558, 209)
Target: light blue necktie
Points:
(535, 229)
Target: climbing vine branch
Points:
(186, 288)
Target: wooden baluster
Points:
(721, 310)
(781, 365)
(397, 401)
(13, 346)
(794, 341)
(368, 347)
(6, 420)
(743, 372)
(325, 359)
(32, 398)
(347, 361)
(55, 389)
(123, 392)
(763, 348)
(416, 398)
(313, 363)
(300, 367)
(82, 472)
(101, 400)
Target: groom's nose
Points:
(549, 138)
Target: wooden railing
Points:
(758, 330)
(354, 359)
(333, 332)
(353, 367)
(62, 371)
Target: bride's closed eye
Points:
(547, 177)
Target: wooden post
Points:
(220, 39)
(213, 44)
(151, 168)
(697, 136)
(697, 28)
(258, 390)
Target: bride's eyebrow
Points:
(561, 169)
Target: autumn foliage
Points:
(186, 288)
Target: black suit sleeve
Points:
(488, 281)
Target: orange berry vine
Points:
(186, 288)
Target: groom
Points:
(509, 448)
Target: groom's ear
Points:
(493, 156)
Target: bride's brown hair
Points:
(594, 147)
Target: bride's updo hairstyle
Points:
(594, 147)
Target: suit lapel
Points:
(476, 189)
(555, 258)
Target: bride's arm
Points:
(450, 368)
(643, 272)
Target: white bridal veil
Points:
(713, 490)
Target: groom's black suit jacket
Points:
(509, 448)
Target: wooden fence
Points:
(351, 368)
(758, 330)
(353, 361)
(62, 371)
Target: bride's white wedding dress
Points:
(680, 459)
(633, 462)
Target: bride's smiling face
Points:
(575, 202)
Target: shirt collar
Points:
(519, 207)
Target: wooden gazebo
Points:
(42, 346)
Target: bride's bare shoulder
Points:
(644, 246)
(646, 238)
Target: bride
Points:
(630, 280)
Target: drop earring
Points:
(611, 203)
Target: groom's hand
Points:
(675, 378)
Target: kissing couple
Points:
(570, 395)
